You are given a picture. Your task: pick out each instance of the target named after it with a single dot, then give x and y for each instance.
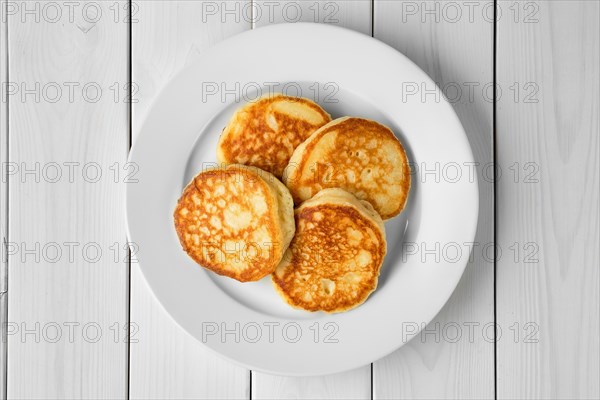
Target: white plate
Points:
(348, 74)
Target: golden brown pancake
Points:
(333, 262)
(357, 155)
(265, 132)
(236, 221)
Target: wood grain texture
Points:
(453, 358)
(3, 198)
(352, 14)
(62, 304)
(356, 384)
(552, 205)
(165, 361)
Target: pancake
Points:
(236, 221)
(265, 132)
(357, 155)
(333, 262)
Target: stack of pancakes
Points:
(345, 177)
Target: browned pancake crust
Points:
(354, 150)
(204, 225)
(329, 247)
(249, 138)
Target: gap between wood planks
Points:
(128, 283)
(494, 38)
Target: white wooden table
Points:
(77, 80)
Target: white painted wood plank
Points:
(356, 384)
(165, 361)
(3, 198)
(552, 205)
(67, 309)
(455, 48)
(352, 14)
